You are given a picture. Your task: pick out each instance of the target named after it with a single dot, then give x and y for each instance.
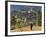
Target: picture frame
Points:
(8, 9)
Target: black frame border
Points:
(6, 20)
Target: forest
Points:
(25, 19)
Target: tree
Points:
(17, 25)
(39, 16)
(13, 22)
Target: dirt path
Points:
(27, 28)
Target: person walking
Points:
(31, 25)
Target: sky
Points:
(17, 7)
